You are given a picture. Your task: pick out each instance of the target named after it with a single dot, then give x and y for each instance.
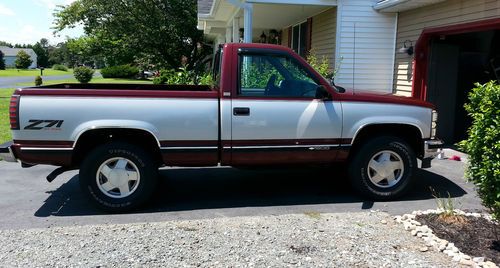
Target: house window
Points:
(299, 38)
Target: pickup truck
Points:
(267, 107)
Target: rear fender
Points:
(123, 124)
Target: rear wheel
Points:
(383, 168)
(118, 177)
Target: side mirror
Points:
(338, 88)
(322, 93)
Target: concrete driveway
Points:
(28, 200)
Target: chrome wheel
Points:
(385, 169)
(118, 177)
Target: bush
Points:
(38, 81)
(2, 61)
(120, 71)
(323, 66)
(483, 144)
(171, 77)
(83, 74)
(60, 67)
(23, 60)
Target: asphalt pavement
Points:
(11, 82)
(27, 200)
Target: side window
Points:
(274, 76)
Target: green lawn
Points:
(35, 72)
(4, 114)
(94, 80)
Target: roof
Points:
(12, 52)
(204, 6)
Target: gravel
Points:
(369, 239)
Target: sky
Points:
(27, 21)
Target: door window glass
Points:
(274, 76)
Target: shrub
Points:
(38, 81)
(206, 79)
(323, 66)
(171, 77)
(60, 67)
(483, 144)
(83, 74)
(23, 60)
(119, 71)
(2, 61)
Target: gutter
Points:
(388, 4)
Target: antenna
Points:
(354, 62)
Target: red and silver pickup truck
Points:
(267, 107)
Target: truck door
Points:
(276, 117)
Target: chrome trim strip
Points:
(190, 148)
(45, 149)
(284, 146)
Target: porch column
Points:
(248, 8)
(229, 33)
(236, 30)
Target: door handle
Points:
(241, 111)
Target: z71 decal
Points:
(44, 124)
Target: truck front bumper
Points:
(431, 150)
(6, 152)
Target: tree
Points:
(23, 60)
(42, 55)
(5, 44)
(2, 61)
(162, 31)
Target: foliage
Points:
(119, 71)
(38, 81)
(182, 77)
(23, 60)
(2, 61)
(172, 77)
(445, 204)
(126, 31)
(206, 79)
(5, 44)
(42, 53)
(60, 67)
(323, 66)
(483, 144)
(257, 75)
(83, 74)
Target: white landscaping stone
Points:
(478, 259)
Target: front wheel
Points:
(118, 177)
(383, 168)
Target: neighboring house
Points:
(10, 55)
(459, 43)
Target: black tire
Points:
(142, 188)
(360, 172)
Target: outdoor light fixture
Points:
(407, 49)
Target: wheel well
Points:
(408, 133)
(94, 138)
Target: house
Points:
(430, 49)
(10, 55)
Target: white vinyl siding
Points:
(365, 46)
(323, 35)
(412, 23)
